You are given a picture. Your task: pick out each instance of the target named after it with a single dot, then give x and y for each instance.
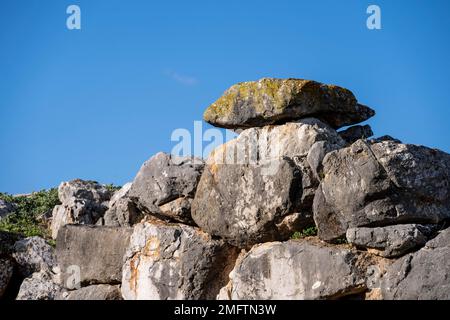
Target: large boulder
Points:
(94, 253)
(83, 202)
(121, 209)
(243, 205)
(39, 286)
(163, 179)
(6, 208)
(390, 241)
(82, 189)
(251, 184)
(295, 270)
(174, 261)
(94, 292)
(6, 273)
(271, 101)
(423, 275)
(36, 263)
(32, 255)
(379, 184)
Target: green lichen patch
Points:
(270, 100)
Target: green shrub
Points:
(112, 188)
(25, 219)
(307, 232)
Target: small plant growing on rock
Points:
(112, 188)
(307, 232)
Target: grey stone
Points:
(81, 189)
(385, 138)
(356, 132)
(252, 183)
(315, 157)
(6, 273)
(94, 292)
(178, 210)
(32, 255)
(83, 202)
(39, 286)
(389, 241)
(380, 184)
(242, 205)
(295, 270)
(6, 208)
(174, 261)
(423, 275)
(163, 179)
(96, 251)
(121, 209)
(273, 101)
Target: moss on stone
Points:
(268, 100)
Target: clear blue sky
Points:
(96, 103)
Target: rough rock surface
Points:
(423, 275)
(243, 205)
(6, 273)
(163, 179)
(81, 189)
(271, 101)
(178, 210)
(83, 202)
(174, 261)
(97, 251)
(253, 182)
(295, 270)
(390, 241)
(32, 255)
(356, 132)
(121, 209)
(94, 292)
(6, 208)
(39, 286)
(379, 184)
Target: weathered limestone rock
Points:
(174, 261)
(242, 205)
(314, 160)
(379, 184)
(83, 202)
(252, 183)
(390, 241)
(423, 275)
(32, 255)
(295, 270)
(96, 251)
(273, 101)
(178, 210)
(39, 286)
(356, 132)
(163, 179)
(6, 273)
(81, 189)
(94, 292)
(121, 209)
(6, 209)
